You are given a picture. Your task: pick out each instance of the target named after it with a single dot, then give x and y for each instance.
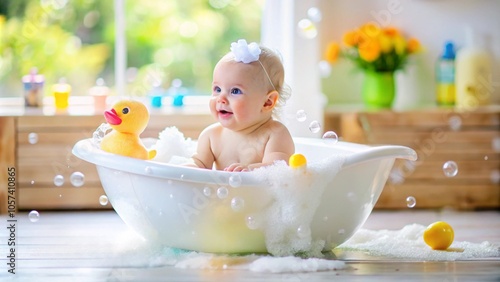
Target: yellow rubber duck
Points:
(128, 120)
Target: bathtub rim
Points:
(87, 151)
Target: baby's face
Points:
(239, 93)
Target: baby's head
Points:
(266, 65)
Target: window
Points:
(165, 40)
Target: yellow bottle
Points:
(473, 75)
(61, 92)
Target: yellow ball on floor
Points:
(439, 235)
(297, 160)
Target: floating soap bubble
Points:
(303, 231)
(222, 192)
(411, 201)
(307, 29)
(103, 200)
(330, 137)
(148, 170)
(450, 168)
(77, 179)
(207, 191)
(100, 132)
(495, 144)
(235, 180)
(485, 158)
(495, 176)
(341, 231)
(251, 222)
(314, 126)
(33, 138)
(32, 182)
(58, 180)
(455, 123)
(237, 203)
(325, 69)
(34, 216)
(314, 14)
(301, 115)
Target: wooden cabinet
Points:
(470, 139)
(39, 147)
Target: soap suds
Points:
(297, 194)
(408, 243)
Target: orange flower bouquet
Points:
(373, 48)
(379, 52)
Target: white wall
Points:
(431, 21)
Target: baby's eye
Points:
(216, 89)
(236, 91)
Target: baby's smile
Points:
(224, 113)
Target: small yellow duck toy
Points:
(128, 120)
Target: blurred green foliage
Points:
(165, 40)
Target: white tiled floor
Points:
(98, 246)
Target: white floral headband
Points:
(248, 53)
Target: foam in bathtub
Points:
(286, 223)
(173, 147)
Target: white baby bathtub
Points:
(197, 209)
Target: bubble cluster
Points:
(251, 222)
(100, 132)
(325, 69)
(495, 144)
(77, 179)
(314, 126)
(495, 176)
(450, 168)
(301, 115)
(222, 192)
(411, 202)
(307, 29)
(34, 216)
(455, 123)
(314, 14)
(103, 200)
(237, 203)
(207, 191)
(235, 180)
(33, 138)
(58, 180)
(330, 137)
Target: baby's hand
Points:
(236, 167)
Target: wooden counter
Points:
(471, 139)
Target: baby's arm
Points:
(204, 158)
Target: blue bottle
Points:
(445, 76)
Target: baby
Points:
(248, 86)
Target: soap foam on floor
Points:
(408, 243)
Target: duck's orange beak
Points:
(112, 117)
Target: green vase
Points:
(378, 89)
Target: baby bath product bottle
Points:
(473, 74)
(445, 76)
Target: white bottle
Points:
(473, 74)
